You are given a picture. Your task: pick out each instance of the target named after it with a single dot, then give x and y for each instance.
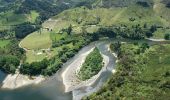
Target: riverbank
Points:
(69, 75)
(18, 80)
(70, 79)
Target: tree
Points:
(153, 28)
(168, 5)
(143, 47)
(149, 34)
(116, 46)
(167, 36)
(69, 30)
(9, 63)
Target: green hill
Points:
(27, 13)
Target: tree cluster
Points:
(24, 29)
(35, 68)
(167, 36)
(91, 66)
(9, 63)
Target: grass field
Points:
(3, 43)
(38, 55)
(55, 36)
(37, 41)
(32, 56)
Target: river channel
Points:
(53, 88)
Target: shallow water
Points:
(53, 88)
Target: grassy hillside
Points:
(84, 18)
(14, 13)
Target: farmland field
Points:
(37, 41)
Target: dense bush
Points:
(10, 56)
(92, 65)
(9, 63)
(12, 49)
(24, 29)
(50, 66)
(34, 68)
(134, 32)
(167, 36)
(143, 3)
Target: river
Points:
(53, 88)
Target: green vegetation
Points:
(10, 54)
(9, 63)
(69, 47)
(131, 19)
(34, 68)
(35, 56)
(19, 18)
(10, 18)
(12, 48)
(142, 70)
(32, 17)
(127, 22)
(3, 43)
(22, 17)
(92, 65)
(132, 15)
(37, 40)
(167, 36)
(142, 73)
